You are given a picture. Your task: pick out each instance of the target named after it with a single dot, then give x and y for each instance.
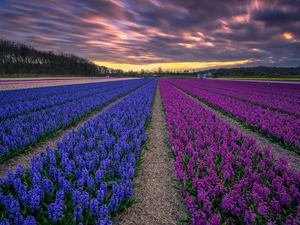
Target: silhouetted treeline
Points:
(259, 71)
(16, 58)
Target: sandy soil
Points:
(157, 203)
(12, 84)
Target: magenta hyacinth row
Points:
(223, 176)
(283, 127)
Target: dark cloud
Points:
(276, 17)
(153, 31)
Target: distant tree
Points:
(259, 71)
(16, 58)
(160, 70)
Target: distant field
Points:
(267, 79)
(20, 83)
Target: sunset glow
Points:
(174, 66)
(146, 34)
(287, 36)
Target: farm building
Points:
(205, 75)
(154, 75)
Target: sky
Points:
(171, 34)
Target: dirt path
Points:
(158, 203)
(24, 158)
(278, 151)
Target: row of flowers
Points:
(88, 178)
(74, 92)
(18, 133)
(23, 95)
(282, 127)
(288, 92)
(224, 178)
(283, 100)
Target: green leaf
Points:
(183, 221)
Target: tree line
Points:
(16, 58)
(258, 71)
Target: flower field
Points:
(29, 115)
(224, 178)
(222, 175)
(266, 96)
(21, 83)
(88, 178)
(273, 111)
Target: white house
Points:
(205, 75)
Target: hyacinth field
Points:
(28, 116)
(222, 176)
(272, 111)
